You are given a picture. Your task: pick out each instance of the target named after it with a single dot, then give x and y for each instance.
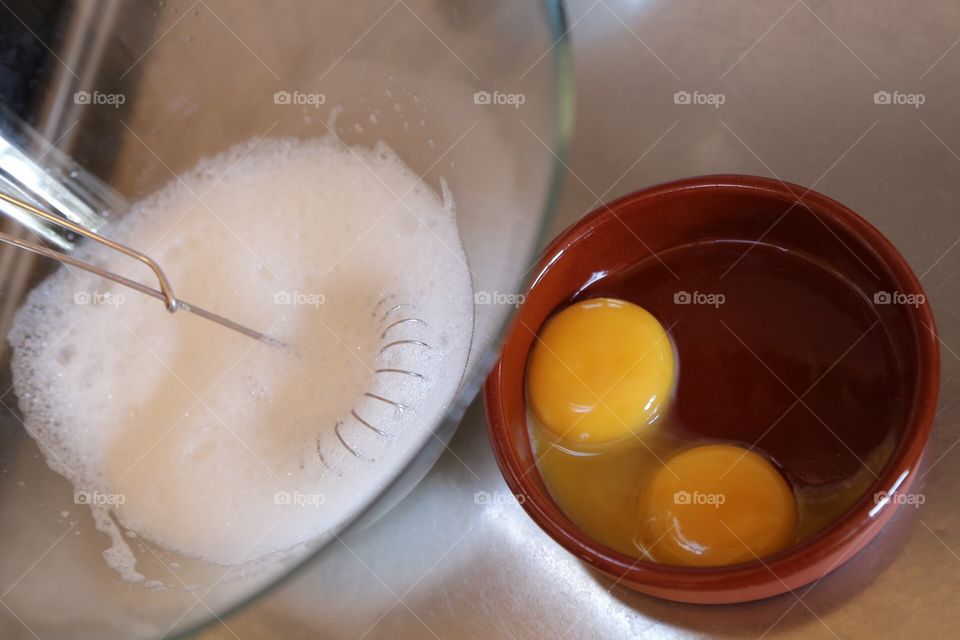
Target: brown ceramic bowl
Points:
(694, 210)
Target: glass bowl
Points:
(473, 93)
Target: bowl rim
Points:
(800, 563)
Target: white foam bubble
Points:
(220, 447)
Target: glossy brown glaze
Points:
(890, 375)
(775, 351)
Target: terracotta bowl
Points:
(663, 217)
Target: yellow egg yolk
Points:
(716, 505)
(600, 371)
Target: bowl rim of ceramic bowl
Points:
(800, 563)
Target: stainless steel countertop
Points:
(798, 79)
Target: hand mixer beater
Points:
(164, 293)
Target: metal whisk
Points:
(165, 292)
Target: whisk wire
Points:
(164, 293)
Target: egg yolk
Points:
(716, 505)
(599, 372)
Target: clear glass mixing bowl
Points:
(476, 92)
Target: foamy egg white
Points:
(208, 442)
